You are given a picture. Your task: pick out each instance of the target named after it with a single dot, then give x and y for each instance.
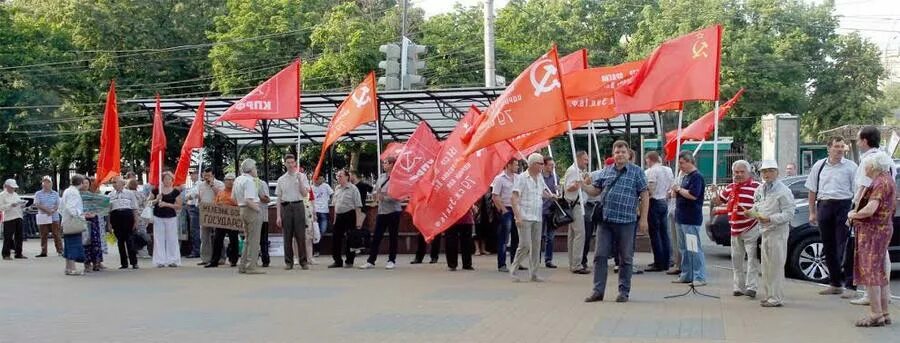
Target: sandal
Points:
(871, 321)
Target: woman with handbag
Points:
(74, 224)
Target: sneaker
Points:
(771, 304)
(616, 269)
(673, 272)
(537, 279)
(832, 291)
(366, 266)
(581, 271)
(680, 281)
(123, 267)
(316, 254)
(503, 269)
(550, 265)
(699, 283)
(622, 298)
(390, 265)
(172, 265)
(254, 271)
(751, 294)
(594, 298)
(737, 293)
(864, 300)
(849, 294)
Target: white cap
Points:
(229, 176)
(10, 183)
(768, 164)
(535, 158)
(47, 178)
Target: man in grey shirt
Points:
(389, 211)
(291, 189)
(830, 186)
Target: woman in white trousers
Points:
(166, 205)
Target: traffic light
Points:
(391, 66)
(415, 65)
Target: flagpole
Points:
(159, 171)
(199, 165)
(574, 160)
(590, 147)
(716, 145)
(550, 152)
(378, 140)
(596, 146)
(678, 136)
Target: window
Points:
(798, 189)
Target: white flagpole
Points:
(160, 171)
(199, 164)
(596, 146)
(550, 152)
(699, 145)
(574, 160)
(678, 138)
(590, 146)
(378, 143)
(716, 145)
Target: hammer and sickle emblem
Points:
(699, 48)
(548, 81)
(362, 97)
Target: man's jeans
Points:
(549, 234)
(507, 225)
(623, 235)
(194, 224)
(659, 233)
(693, 264)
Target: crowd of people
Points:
(852, 206)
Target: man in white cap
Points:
(773, 207)
(528, 193)
(11, 205)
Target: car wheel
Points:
(807, 260)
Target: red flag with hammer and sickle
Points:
(534, 100)
(682, 69)
(360, 107)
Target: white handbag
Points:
(147, 212)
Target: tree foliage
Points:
(57, 57)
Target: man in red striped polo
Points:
(733, 201)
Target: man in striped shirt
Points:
(735, 199)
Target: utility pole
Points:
(403, 6)
(490, 72)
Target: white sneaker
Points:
(864, 300)
(389, 265)
(366, 266)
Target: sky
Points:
(878, 20)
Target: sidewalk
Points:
(414, 303)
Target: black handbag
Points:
(597, 214)
(562, 212)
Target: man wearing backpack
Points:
(830, 185)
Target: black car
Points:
(806, 255)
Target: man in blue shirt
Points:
(623, 190)
(689, 219)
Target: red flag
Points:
(534, 100)
(360, 107)
(573, 62)
(109, 163)
(682, 69)
(194, 140)
(590, 93)
(157, 146)
(413, 161)
(700, 129)
(393, 148)
(449, 189)
(277, 98)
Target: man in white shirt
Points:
(123, 217)
(246, 196)
(206, 194)
(13, 232)
(291, 189)
(322, 192)
(659, 181)
(527, 198)
(191, 195)
(501, 193)
(47, 218)
(573, 181)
